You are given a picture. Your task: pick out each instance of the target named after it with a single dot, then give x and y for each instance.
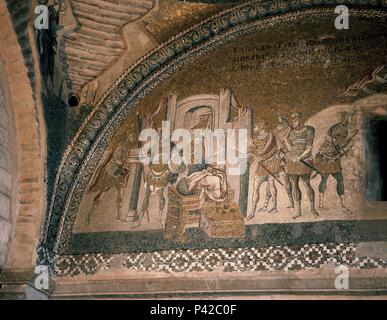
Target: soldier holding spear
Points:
(264, 150)
(298, 163)
(328, 158)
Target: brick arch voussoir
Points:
(29, 150)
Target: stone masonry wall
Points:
(5, 181)
(29, 151)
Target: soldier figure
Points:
(156, 181)
(264, 149)
(298, 166)
(113, 173)
(328, 158)
(281, 132)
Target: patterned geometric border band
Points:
(270, 258)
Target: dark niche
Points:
(376, 157)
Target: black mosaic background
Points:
(256, 235)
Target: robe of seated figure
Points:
(207, 181)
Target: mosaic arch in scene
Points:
(283, 72)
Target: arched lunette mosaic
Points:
(84, 152)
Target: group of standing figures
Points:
(284, 155)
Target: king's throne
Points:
(217, 219)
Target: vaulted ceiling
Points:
(97, 39)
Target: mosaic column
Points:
(135, 192)
(244, 191)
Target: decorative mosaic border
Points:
(270, 258)
(84, 152)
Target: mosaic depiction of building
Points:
(313, 101)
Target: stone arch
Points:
(83, 154)
(26, 136)
(7, 168)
